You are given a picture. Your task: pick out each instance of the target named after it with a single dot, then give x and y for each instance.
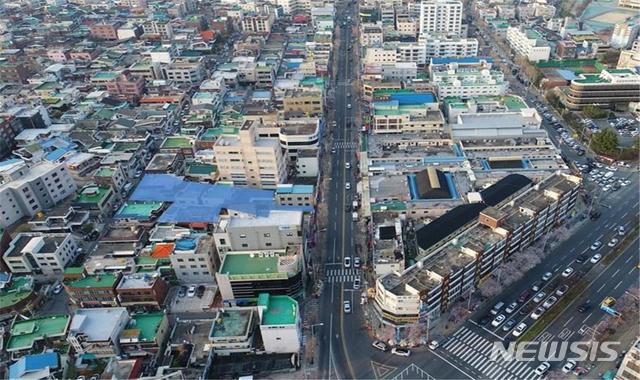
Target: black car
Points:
(200, 291)
(595, 215)
(584, 307)
(582, 258)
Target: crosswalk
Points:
(342, 275)
(345, 145)
(475, 351)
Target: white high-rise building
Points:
(441, 17)
(623, 35)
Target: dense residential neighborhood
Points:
(318, 189)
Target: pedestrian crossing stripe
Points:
(475, 351)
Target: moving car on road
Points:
(347, 307)
(347, 262)
(434, 344)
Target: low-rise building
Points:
(135, 290)
(94, 290)
(465, 245)
(388, 248)
(194, 259)
(612, 88)
(145, 335)
(25, 334)
(469, 82)
(295, 195)
(529, 44)
(97, 331)
(41, 253)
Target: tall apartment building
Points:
(157, 29)
(303, 102)
(48, 253)
(185, 72)
(246, 159)
(441, 17)
(258, 23)
(24, 190)
(623, 35)
(529, 44)
(456, 252)
(610, 89)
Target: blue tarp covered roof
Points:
(413, 98)
(31, 363)
(202, 202)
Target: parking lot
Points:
(181, 302)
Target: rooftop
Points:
(92, 194)
(174, 142)
(143, 327)
(279, 310)
(96, 324)
(294, 189)
(95, 281)
(24, 333)
(138, 210)
(231, 323)
(249, 264)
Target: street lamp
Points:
(312, 326)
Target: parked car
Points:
(182, 292)
(519, 329)
(347, 262)
(347, 307)
(562, 290)
(596, 245)
(537, 313)
(621, 230)
(536, 286)
(191, 292)
(547, 276)
(613, 242)
(497, 307)
(584, 307)
(539, 297)
(542, 368)
(380, 345)
(401, 351)
(595, 258)
(356, 262)
(356, 283)
(497, 321)
(511, 308)
(569, 366)
(524, 296)
(549, 302)
(582, 258)
(567, 272)
(509, 325)
(200, 291)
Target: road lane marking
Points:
(453, 365)
(629, 259)
(631, 270)
(602, 287)
(587, 317)
(567, 322)
(616, 272)
(619, 283)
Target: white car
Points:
(497, 321)
(356, 283)
(567, 272)
(596, 245)
(347, 185)
(621, 228)
(349, 106)
(542, 368)
(191, 292)
(569, 366)
(347, 165)
(547, 276)
(347, 262)
(58, 288)
(549, 302)
(595, 258)
(613, 242)
(539, 297)
(347, 307)
(434, 344)
(519, 329)
(401, 351)
(537, 313)
(511, 308)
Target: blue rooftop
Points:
(447, 60)
(413, 98)
(202, 202)
(294, 189)
(33, 363)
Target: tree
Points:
(594, 112)
(490, 288)
(605, 142)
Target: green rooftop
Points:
(74, 270)
(95, 281)
(92, 194)
(279, 310)
(21, 288)
(147, 324)
(138, 210)
(104, 172)
(24, 334)
(174, 142)
(105, 75)
(390, 205)
(244, 266)
(232, 323)
(126, 146)
(200, 168)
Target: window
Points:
(267, 234)
(243, 236)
